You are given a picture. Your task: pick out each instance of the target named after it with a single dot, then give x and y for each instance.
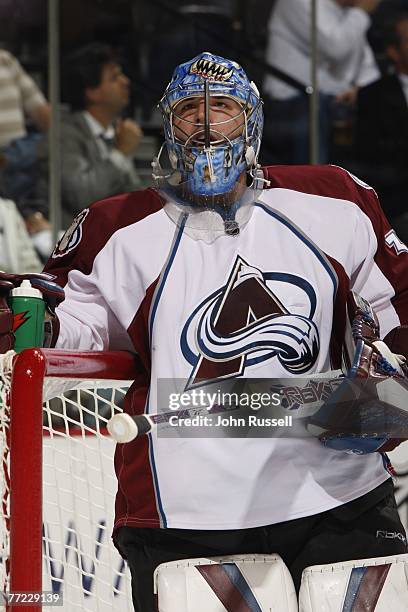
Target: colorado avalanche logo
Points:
(72, 236)
(243, 324)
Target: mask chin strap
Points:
(207, 131)
(258, 179)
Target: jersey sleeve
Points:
(380, 272)
(85, 263)
(87, 315)
(383, 276)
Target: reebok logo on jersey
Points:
(391, 535)
(244, 324)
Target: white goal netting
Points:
(79, 560)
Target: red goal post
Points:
(22, 427)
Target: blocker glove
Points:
(368, 411)
(52, 294)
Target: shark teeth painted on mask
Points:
(211, 70)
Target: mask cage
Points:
(247, 99)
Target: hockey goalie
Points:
(228, 270)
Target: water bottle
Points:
(28, 308)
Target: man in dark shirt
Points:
(381, 137)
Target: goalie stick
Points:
(311, 397)
(346, 413)
(124, 427)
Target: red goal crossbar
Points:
(30, 367)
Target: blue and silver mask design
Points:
(207, 159)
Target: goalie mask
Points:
(213, 123)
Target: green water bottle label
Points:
(28, 308)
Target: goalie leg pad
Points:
(248, 583)
(379, 584)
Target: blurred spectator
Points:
(17, 253)
(381, 128)
(21, 170)
(40, 232)
(19, 97)
(345, 62)
(97, 144)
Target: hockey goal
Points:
(58, 483)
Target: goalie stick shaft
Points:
(125, 428)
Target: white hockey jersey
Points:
(135, 280)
